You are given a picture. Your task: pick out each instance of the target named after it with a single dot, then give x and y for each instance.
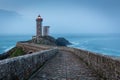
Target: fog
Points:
(63, 16)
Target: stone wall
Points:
(31, 47)
(105, 66)
(20, 68)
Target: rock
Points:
(47, 40)
(62, 42)
(3, 56)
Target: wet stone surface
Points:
(65, 66)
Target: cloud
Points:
(10, 22)
(79, 16)
(6, 15)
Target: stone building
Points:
(46, 30)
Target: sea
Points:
(100, 44)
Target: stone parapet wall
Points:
(105, 66)
(31, 47)
(20, 68)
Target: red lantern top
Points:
(39, 18)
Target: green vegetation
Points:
(17, 52)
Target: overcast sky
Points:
(63, 16)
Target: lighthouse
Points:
(39, 26)
(39, 30)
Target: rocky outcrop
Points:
(62, 42)
(49, 40)
(3, 56)
(45, 40)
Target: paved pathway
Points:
(65, 66)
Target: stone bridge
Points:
(30, 47)
(59, 63)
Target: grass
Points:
(17, 52)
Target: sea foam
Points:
(7, 49)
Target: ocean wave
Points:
(113, 50)
(7, 49)
(75, 43)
